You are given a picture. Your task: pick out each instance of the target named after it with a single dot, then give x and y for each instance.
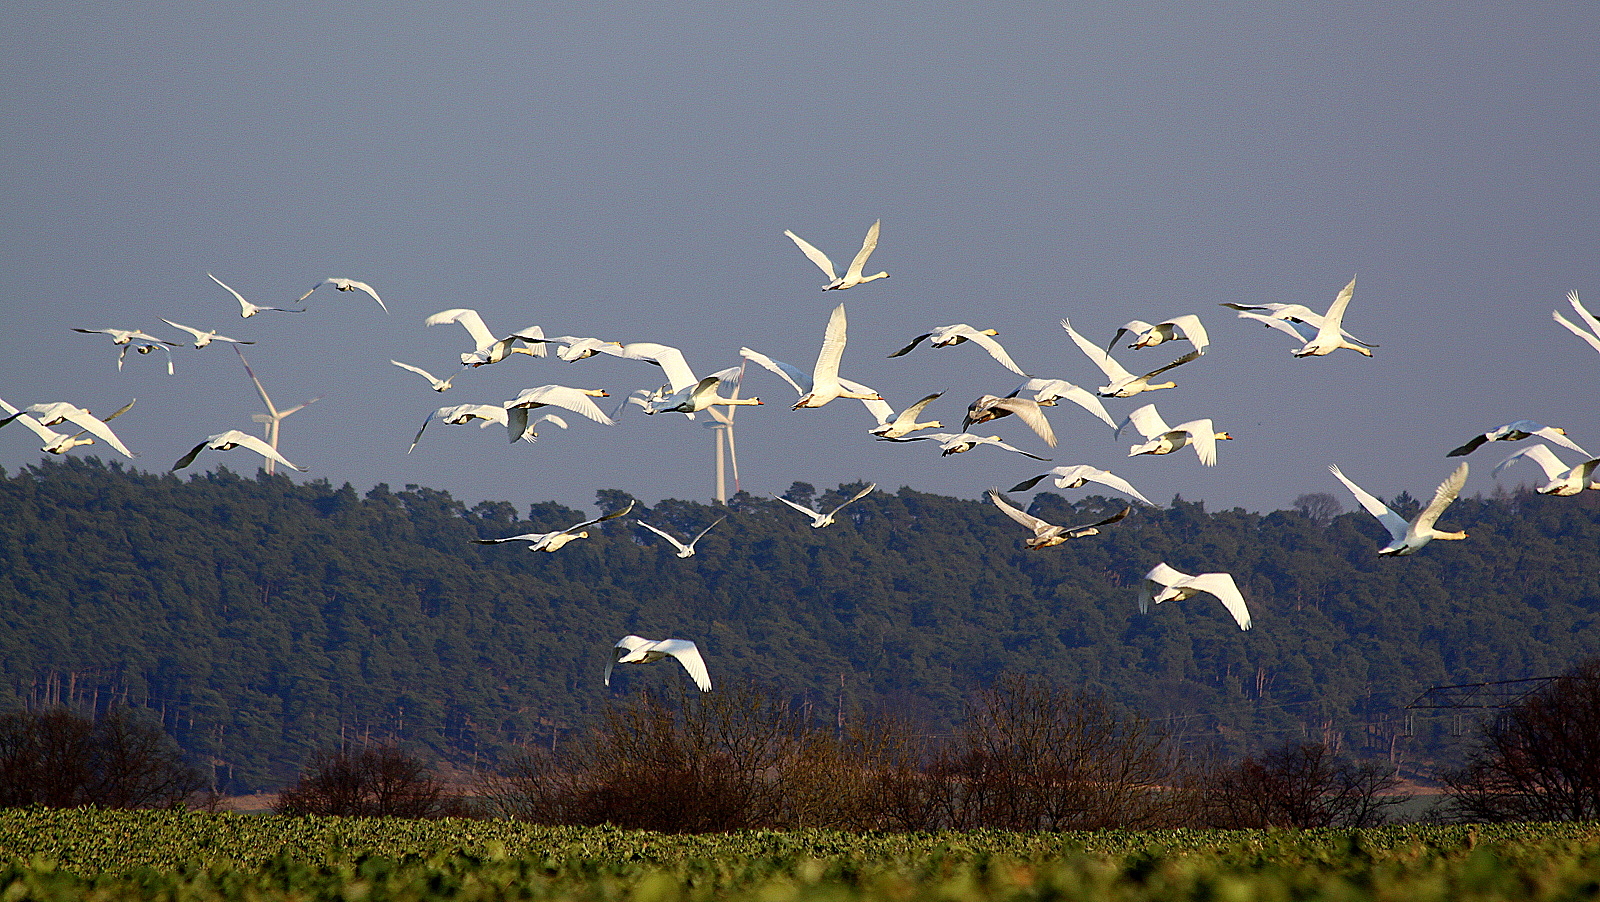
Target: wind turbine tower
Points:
(273, 416)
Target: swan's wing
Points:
(1147, 420)
(1300, 331)
(814, 255)
(1203, 436)
(530, 537)
(868, 245)
(665, 535)
(670, 359)
(1029, 412)
(188, 458)
(1334, 318)
(1017, 513)
(1113, 370)
(854, 498)
(1442, 496)
(909, 415)
(197, 333)
(246, 440)
(797, 378)
(1391, 521)
(995, 350)
(244, 305)
(1193, 330)
(914, 342)
(573, 399)
(418, 437)
(619, 512)
(702, 534)
(880, 410)
(1539, 454)
(995, 440)
(96, 427)
(1134, 327)
(1472, 445)
(1061, 388)
(469, 320)
(688, 654)
(1227, 591)
(832, 351)
(1104, 477)
(799, 507)
(1027, 484)
(1160, 575)
(347, 284)
(1192, 355)
(1078, 532)
(1593, 341)
(416, 369)
(1584, 316)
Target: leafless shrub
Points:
(1538, 760)
(1299, 784)
(62, 759)
(376, 781)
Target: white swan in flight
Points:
(960, 442)
(1299, 313)
(993, 407)
(1072, 477)
(55, 442)
(1163, 439)
(227, 441)
(203, 337)
(637, 650)
(1590, 332)
(346, 285)
(54, 413)
(823, 383)
(555, 541)
(462, 414)
(487, 348)
(684, 392)
(1559, 478)
(1516, 432)
(819, 519)
(1121, 383)
(434, 382)
(1049, 391)
(1147, 335)
(247, 309)
(1324, 338)
(566, 397)
(946, 336)
(1046, 534)
(1408, 538)
(852, 276)
(893, 425)
(683, 549)
(124, 338)
(1163, 583)
(577, 347)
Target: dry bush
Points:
(1298, 784)
(62, 759)
(1539, 759)
(376, 781)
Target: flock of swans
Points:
(683, 392)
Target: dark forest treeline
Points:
(263, 619)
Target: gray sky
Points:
(629, 173)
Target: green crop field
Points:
(54, 856)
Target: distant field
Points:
(72, 855)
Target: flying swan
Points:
(638, 650)
(555, 541)
(1408, 538)
(852, 276)
(1046, 534)
(819, 519)
(1163, 583)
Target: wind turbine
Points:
(273, 416)
(723, 427)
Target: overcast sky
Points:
(628, 173)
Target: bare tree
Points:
(62, 759)
(1035, 757)
(1539, 759)
(377, 781)
(1319, 507)
(1298, 784)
